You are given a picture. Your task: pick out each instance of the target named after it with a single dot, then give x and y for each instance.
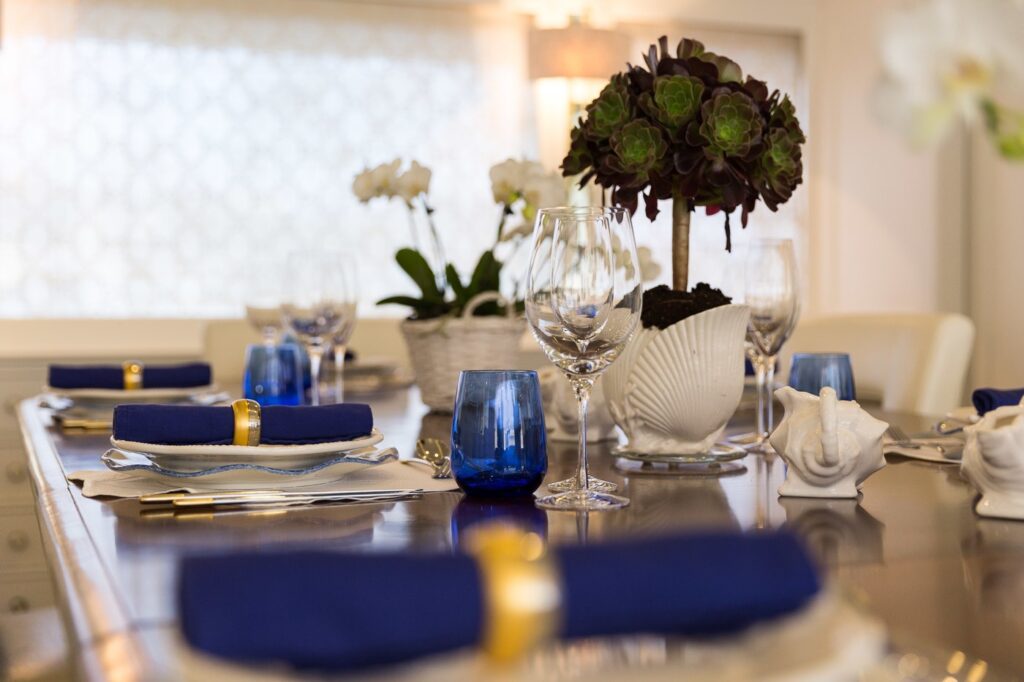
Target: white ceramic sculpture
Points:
(830, 445)
(562, 413)
(993, 462)
(672, 390)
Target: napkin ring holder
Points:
(132, 375)
(247, 422)
(521, 590)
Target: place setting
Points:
(83, 397)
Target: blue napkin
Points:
(333, 611)
(112, 376)
(279, 425)
(988, 399)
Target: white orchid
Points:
(413, 182)
(381, 181)
(509, 179)
(943, 59)
(541, 190)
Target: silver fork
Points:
(899, 438)
(435, 453)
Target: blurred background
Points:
(154, 154)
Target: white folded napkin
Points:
(391, 476)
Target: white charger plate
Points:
(198, 457)
(140, 395)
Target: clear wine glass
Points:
(339, 343)
(263, 294)
(771, 291)
(314, 306)
(583, 303)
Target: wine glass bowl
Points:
(315, 305)
(583, 304)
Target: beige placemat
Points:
(390, 476)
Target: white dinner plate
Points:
(240, 476)
(140, 395)
(198, 457)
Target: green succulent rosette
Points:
(731, 124)
(674, 102)
(610, 111)
(639, 147)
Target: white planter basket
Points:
(672, 390)
(440, 349)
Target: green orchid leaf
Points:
(416, 266)
(456, 284)
(486, 275)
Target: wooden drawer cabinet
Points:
(25, 591)
(21, 547)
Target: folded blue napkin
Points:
(112, 376)
(333, 611)
(279, 425)
(988, 399)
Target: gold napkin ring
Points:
(247, 422)
(132, 375)
(521, 590)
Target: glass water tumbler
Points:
(810, 372)
(499, 442)
(273, 374)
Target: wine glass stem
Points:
(339, 366)
(581, 387)
(765, 367)
(316, 354)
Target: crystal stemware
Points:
(263, 295)
(315, 304)
(339, 343)
(583, 303)
(770, 289)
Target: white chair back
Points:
(913, 363)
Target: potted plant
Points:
(687, 127)
(456, 323)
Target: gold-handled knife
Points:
(242, 495)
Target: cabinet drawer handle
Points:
(17, 540)
(18, 604)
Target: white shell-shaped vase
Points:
(672, 390)
(830, 445)
(993, 461)
(563, 415)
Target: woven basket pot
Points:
(440, 349)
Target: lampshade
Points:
(577, 51)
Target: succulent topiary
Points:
(688, 126)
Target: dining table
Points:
(947, 584)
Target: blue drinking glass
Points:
(811, 372)
(499, 443)
(273, 374)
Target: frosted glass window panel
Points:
(152, 150)
(775, 59)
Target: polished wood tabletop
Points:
(910, 550)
